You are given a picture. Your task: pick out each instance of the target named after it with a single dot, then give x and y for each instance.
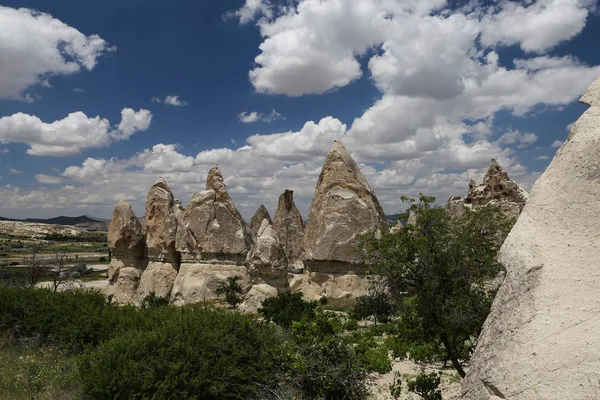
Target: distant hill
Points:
(83, 221)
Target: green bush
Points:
(426, 386)
(195, 353)
(287, 308)
(372, 355)
(376, 305)
(321, 362)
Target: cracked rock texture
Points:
(290, 228)
(257, 219)
(344, 206)
(125, 241)
(541, 338)
(267, 260)
(212, 225)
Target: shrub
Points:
(195, 353)
(376, 305)
(321, 362)
(287, 308)
(232, 291)
(426, 386)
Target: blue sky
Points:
(423, 94)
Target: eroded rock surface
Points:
(344, 207)
(267, 259)
(161, 223)
(497, 189)
(256, 221)
(213, 227)
(541, 340)
(126, 242)
(290, 228)
(254, 298)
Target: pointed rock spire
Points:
(213, 225)
(125, 240)
(541, 337)
(161, 222)
(289, 227)
(256, 221)
(344, 206)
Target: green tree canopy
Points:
(439, 269)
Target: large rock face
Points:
(497, 189)
(161, 223)
(290, 228)
(267, 260)
(344, 207)
(261, 214)
(541, 339)
(125, 239)
(213, 227)
(128, 249)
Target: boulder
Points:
(289, 227)
(261, 214)
(199, 282)
(161, 223)
(212, 227)
(397, 227)
(126, 285)
(125, 241)
(344, 207)
(541, 340)
(255, 297)
(315, 285)
(158, 277)
(267, 259)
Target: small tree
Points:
(35, 268)
(287, 308)
(375, 304)
(232, 291)
(56, 269)
(438, 269)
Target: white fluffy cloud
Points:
(537, 25)
(251, 10)
(72, 134)
(172, 100)
(254, 116)
(36, 46)
(48, 179)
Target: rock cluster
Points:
(184, 253)
(497, 189)
(541, 337)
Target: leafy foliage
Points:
(194, 353)
(232, 291)
(426, 386)
(438, 270)
(287, 308)
(376, 304)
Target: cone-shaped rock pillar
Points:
(256, 221)
(344, 206)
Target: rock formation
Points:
(257, 219)
(497, 189)
(344, 207)
(267, 259)
(540, 340)
(213, 227)
(128, 247)
(214, 241)
(290, 229)
(161, 223)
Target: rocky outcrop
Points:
(198, 282)
(541, 337)
(290, 229)
(255, 297)
(213, 228)
(161, 223)
(315, 285)
(256, 221)
(497, 189)
(267, 260)
(128, 253)
(343, 208)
